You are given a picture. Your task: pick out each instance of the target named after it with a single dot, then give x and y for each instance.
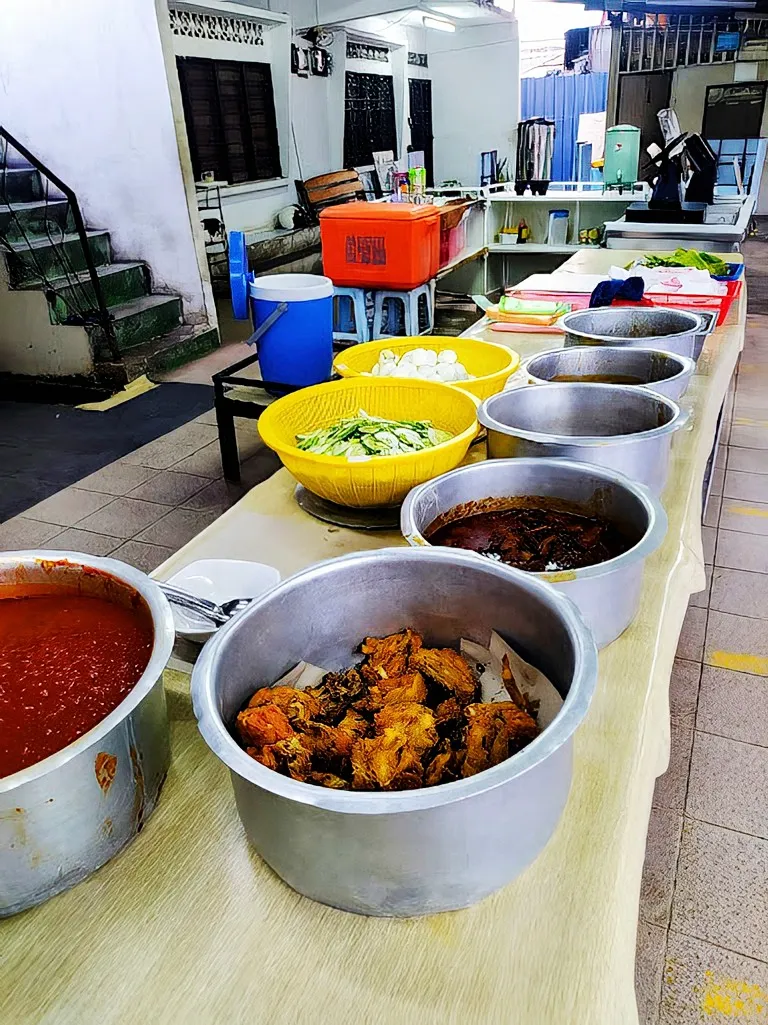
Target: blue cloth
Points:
(631, 290)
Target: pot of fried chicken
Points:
(406, 717)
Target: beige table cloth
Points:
(188, 926)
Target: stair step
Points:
(120, 282)
(56, 259)
(141, 320)
(35, 219)
(180, 346)
(20, 184)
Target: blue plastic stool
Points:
(350, 320)
(417, 308)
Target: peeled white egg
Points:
(446, 372)
(407, 357)
(387, 369)
(428, 373)
(387, 356)
(376, 370)
(447, 356)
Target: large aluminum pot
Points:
(67, 815)
(664, 372)
(607, 595)
(420, 851)
(618, 426)
(645, 326)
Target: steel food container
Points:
(645, 326)
(608, 594)
(413, 852)
(664, 372)
(620, 427)
(68, 814)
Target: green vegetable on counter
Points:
(687, 258)
(363, 436)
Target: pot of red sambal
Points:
(84, 740)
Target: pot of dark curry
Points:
(584, 529)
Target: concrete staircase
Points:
(45, 263)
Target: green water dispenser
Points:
(622, 157)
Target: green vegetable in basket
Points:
(363, 436)
(687, 258)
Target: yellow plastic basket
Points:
(381, 480)
(491, 365)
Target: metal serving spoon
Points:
(219, 614)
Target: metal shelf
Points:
(537, 247)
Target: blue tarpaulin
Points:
(562, 98)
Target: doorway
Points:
(641, 97)
(420, 121)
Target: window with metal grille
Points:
(229, 110)
(369, 121)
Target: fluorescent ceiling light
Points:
(439, 24)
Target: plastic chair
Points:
(350, 319)
(404, 313)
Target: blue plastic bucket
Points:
(298, 348)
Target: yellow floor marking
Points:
(131, 391)
(745, 421)
(732, 998)
(757, 665)
(746, 510)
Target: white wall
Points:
(83, 84)
(475, 97)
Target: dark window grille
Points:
(369, 122)
(229, 110)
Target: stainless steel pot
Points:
(607, 595)
(648, 327)
(61, 819)
(664, 372)
(420, 851)
(618, 426)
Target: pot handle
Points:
(707, 323)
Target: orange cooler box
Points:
(380, 245)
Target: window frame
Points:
(252, 158)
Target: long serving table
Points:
(188, 925)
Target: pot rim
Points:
(688, 365)
(652, 539)
(162, 646)
(698, 326)
(225, 747)
(675, 423)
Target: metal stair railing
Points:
(68, 295)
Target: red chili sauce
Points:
(66, 661)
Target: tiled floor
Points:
(702, 949)
(148, 504)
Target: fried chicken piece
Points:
(444, 767)
(493, 733)
(336, 692)
(260, 727)
(266, 756)
(327, 779)
(415, 722)
(386, 762)
(388, 656)
(298, 705)
(395, 689)
(447, 668)
(510, 686)
(448, 712)
(294, 757)
(331, 743)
